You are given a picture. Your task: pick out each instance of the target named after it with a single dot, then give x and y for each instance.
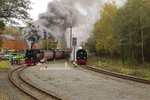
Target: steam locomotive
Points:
(34, 56)
(81, 56)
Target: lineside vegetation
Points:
(123, 35)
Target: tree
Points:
(90, 45)
(10, 10)
(106, 44)
(132, 29)
(10, 30)
(124, 31)
(2, 25)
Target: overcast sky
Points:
(40, 6)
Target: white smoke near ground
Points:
(60, 15)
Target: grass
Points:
(115, 65)
(4, 64)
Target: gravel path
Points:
(76, 84)
(3, 95)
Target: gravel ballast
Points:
(7, 89)
(73, 83)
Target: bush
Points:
(115, 65)
(4, 64)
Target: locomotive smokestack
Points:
(31, 46)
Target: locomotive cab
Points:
(30, 57)
(81, 56)
(33, 56)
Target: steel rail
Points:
(21, 68)
(118, 75)
(35, 86)
(18, 86)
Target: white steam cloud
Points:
(90, 9)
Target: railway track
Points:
(118, 75)
(36, 92)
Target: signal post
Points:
(74, 44)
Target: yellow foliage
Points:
(105, 40)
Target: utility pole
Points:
(47, 42)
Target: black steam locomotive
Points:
(34, 56)
(81, 56)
